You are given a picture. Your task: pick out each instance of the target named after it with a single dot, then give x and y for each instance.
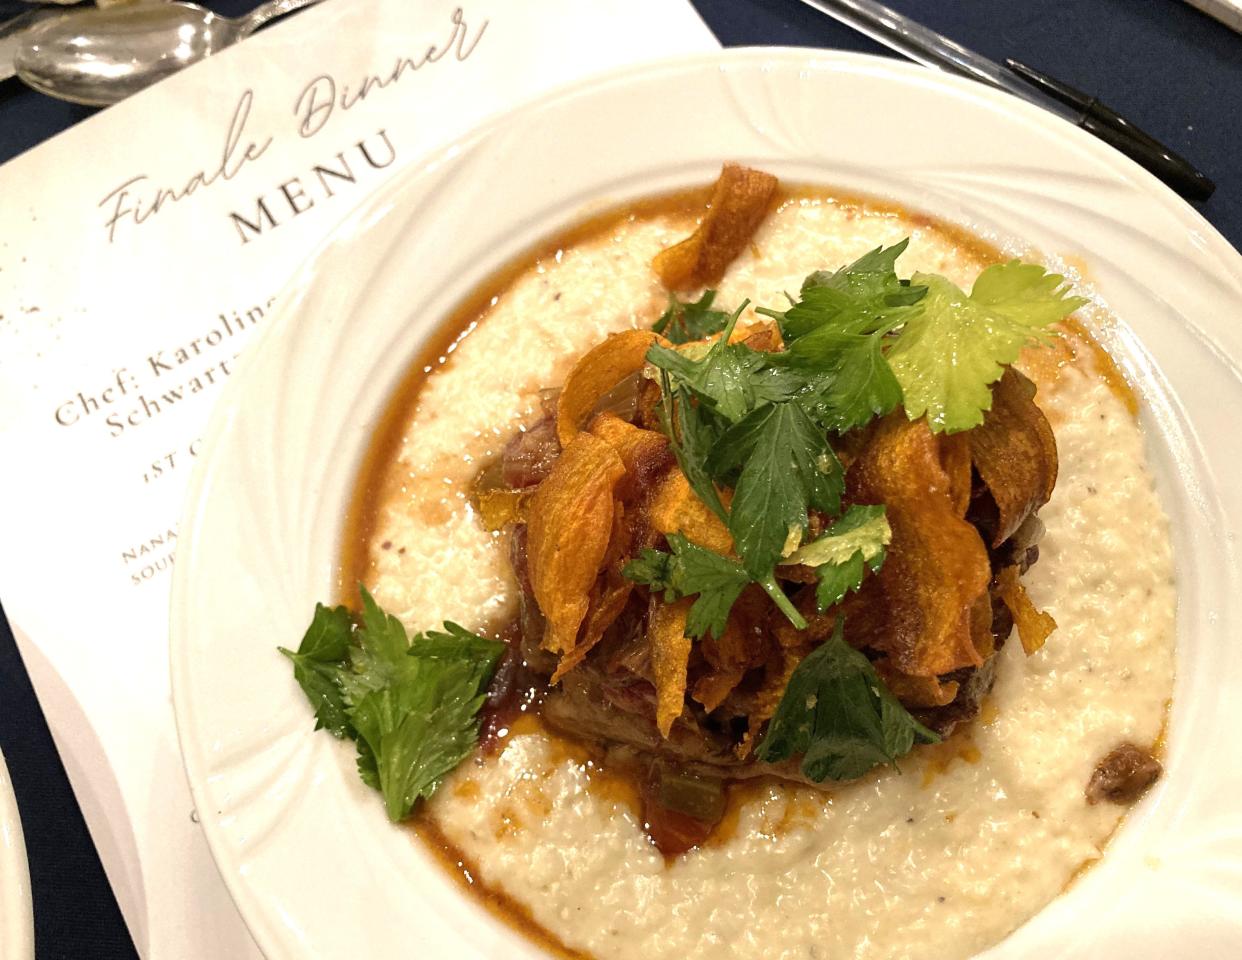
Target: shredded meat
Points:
(609, 699)
(1123, 775)
(621, 671)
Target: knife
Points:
(918, 43)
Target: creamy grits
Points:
(938, 860)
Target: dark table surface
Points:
(1172, 70)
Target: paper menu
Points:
(140, 252)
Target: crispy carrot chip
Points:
(981, 626)
(744, 644)
(1015, 453)
(670, 656)
(597, 372)
(1034, 625)
(917, 609)
(645, 453)
(761, 336)
(602, 612)
(711, 689)
(955, 459)
(569, 526)
(916, 691)
(675, 508)
(739, 202)
(608, 596)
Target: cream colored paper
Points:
(140, 251)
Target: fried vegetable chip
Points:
(1015, 453)
(670, 657)
(739, 202)
(743, 645)
(645, 453)
(955, 459)
(1034, 625)
(916, 691)
(676, 508)
(608, 596)
(917, 609)
(569, 527)
(602, 612)
(598, 371)
(981, 626)
(711, 689)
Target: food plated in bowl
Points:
(285, 808)
(737, 564)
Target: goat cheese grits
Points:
(938, 856)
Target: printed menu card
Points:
(140, 252)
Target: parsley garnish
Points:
(690, 570)
(787, 468)
(738, 422)
(839, 717)
(412, 707)
(866, 341)
(316, 667)
(859, 342)
(732, 379)
(947, 357)
(860, 298)
(855, 541)
(683, 322)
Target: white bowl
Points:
(316, 870)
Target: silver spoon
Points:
(100, 56)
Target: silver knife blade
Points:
(918, 43)
(12, 32)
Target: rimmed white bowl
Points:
(314, 867)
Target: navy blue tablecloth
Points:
(1172, 70)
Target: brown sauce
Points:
(501, 906)
(782, 806)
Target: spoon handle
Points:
(268, 11)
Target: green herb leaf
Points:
(848, 380)
(844, 552)
(946, 357)
(696, 433)
(788, 467)
(317, 666)
(683, 322)
(838, 715)
(420, 728)
(691, 570)
(378, 658)
(725, 378)
(731, 378)
(454, 642)
(858, 298)
(835, 334)
(411, 707)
